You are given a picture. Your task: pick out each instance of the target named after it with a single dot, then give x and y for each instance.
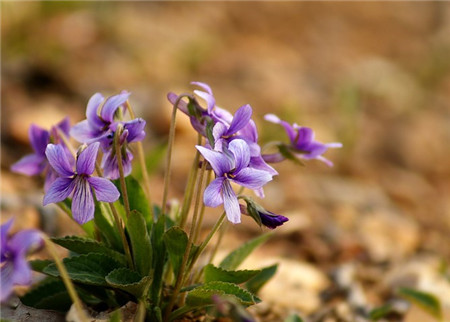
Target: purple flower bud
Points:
(261, 215)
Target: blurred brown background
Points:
(374, 76)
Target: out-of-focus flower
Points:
(80, 183)
(302, 144)
(231, 166)
(36, 163)
(14, 269)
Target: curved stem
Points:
(169, 151)
(123, 185)
(66, 279)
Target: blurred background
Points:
(374, 76)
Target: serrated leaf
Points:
(137, 198)
(203, 295)
(140, 242)
(128, 281)
(82, 245)
(258, 281)
(236, 257)
(50, 294)
(426, 301)
(380, 312)
(213, 273)
(38, 265)
(87, 269)
(176, 241)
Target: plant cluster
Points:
(134, 249)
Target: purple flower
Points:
(302, 143)
(229, 166)
(14, 269)
(262, 216)
(80, 184)
(36, 163)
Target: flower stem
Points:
(181, 275)
(66, 279)
(169, 151)
(123, 184)
(141, 157)
(202, 211)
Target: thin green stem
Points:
(123, 185)
(66, 279)
(181, 275)
(141, 157)
(119, 224)
(169, 151)
(202, 210)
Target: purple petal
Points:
(219, 161)
(83, 132)
(30, 165)
(39, 139)
(104, 189)
(210, 100)
(271, 220)
(59, 190)
(59, 160)
(50, 177)
(240, 119)
(182, 105)
(112, 104)
(259, 163)
(83, 202)
(7, 280)
(241, 153)
(205, 86)
(25, 241)
(213, 193)
(22, 271)
(289, 129)
(135, 130)
(92, 111)
(111, 167)
(230, 203)
(64, 125)
(222, 115)
(219, 130)
(305, 136)
(4, 229)
(252, 178)
(249, 132)
(87, 158)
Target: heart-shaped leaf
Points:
(128, 281)
(258, 281)
(50, 294)
(176, 242)
(140, 242)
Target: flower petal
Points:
(213, 193)
(304, 137)
(6, 278)
(4, 229)
(83, 202)
(210, 100)
(205, 86)
(230, 203)
(252, 178)
(59, 190)
(83, 132)
(86, 159)
(111, 105)
(241, 153)
(39, 139)
(240, 119)
(104, 189)
(30, 165)
(182, 105)
(24, 241)
(64, 126)
(22, 271)
(92, 111)
(59, 160)
(289, 129)
(135, 130)
(219, 161)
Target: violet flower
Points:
(36, 163)
(302, 143)
(80, 183)
(263, 216)
(231, 166)
(14, 269)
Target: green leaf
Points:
(87, 269)
(137, 198)
(83, 245)
(380, 312)
(203, 295)
(129, 281)
(258, 281)
(159, 258)
(50, 294)
(286, 152)
(213, 273)
(107, 228)
(426, 301)
(115, 316)
(38, 265)
(236, 257)
(140, 242)
(293, 318)
(176, 241)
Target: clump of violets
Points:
(14, 269)
(138, 250)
